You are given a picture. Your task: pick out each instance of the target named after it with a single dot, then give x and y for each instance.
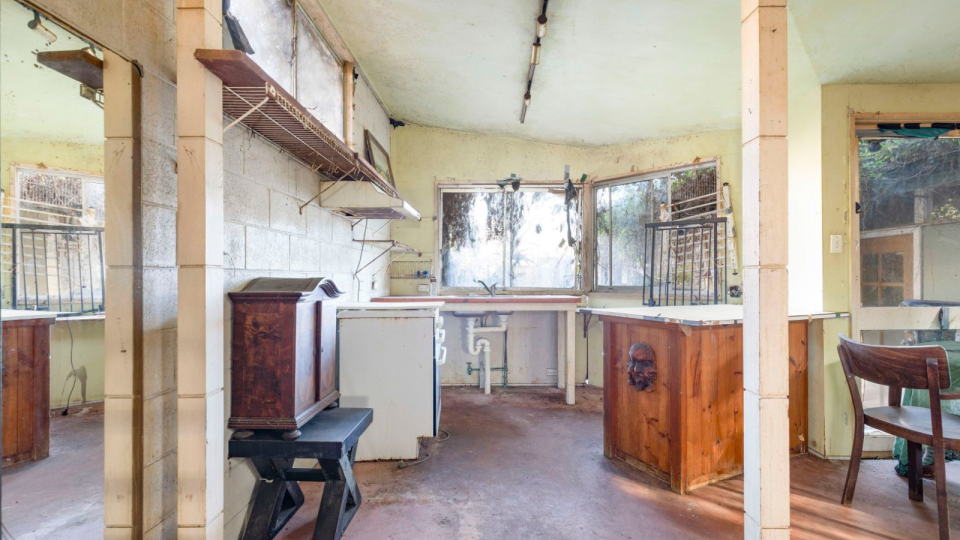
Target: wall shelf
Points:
(389, 246)
(254, 99)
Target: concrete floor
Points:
(523, 465)
(518, 465)
(60, 496)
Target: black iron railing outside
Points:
(55, 267)
(685, 262)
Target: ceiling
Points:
(618, 71)
(35, 101)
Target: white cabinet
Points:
(390, 357)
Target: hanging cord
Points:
(363, 244)
(403, 464)
(74, 385)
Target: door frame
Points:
(866, 120)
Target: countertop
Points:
(711, 315)
(23, 314)
(486, 299)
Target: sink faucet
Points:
(492, 289)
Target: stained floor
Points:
(518, 465)
(60, 496)
(523, 465)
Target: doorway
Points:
(53, 277)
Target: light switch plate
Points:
(836, 243)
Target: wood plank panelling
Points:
(689, 431)
(26, 390)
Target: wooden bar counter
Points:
(673, 390)
(26, 385)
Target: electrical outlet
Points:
(423, 288)
(551, 371)
(836, 243)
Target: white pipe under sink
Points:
(482, 345)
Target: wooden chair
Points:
(898, 368)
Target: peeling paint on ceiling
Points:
(881, 41)
(36, 101)
(619, 71)
(611, 72)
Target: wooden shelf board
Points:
(79, 65)
(281, 119)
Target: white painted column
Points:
(200, 330)
(765, 334)
(123, 352)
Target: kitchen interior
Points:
(460, 260)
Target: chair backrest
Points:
(896, 367)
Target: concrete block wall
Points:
(265, 234)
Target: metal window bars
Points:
(55, 267)
(685, 262)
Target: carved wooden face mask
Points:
(642, 367)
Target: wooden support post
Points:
(765, 336)
(348, 90)
(200, 330)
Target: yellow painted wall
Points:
(838, 102)
(87, 360)
(88, 335)
(422, 155)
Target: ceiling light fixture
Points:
(534, 59)
(39, 28)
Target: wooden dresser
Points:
(26, 385)
(284, 353)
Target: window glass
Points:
(473, 239)
(603, 236)
(319, 77)
(539, 254)
(268, 25)
(515, 239)
(909, 220)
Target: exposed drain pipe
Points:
(482, 345)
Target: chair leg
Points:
(915, 470)
(943, 511)
(854, 468)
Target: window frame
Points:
(619, 180)
(459, 186)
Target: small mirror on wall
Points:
(378, 157)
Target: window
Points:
(525, 239)
(52, 196)
(624, 208)
(288, 46)
(52, 241)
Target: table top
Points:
(24, 314)
(487, 299)
(711, 315)
(327, 436)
